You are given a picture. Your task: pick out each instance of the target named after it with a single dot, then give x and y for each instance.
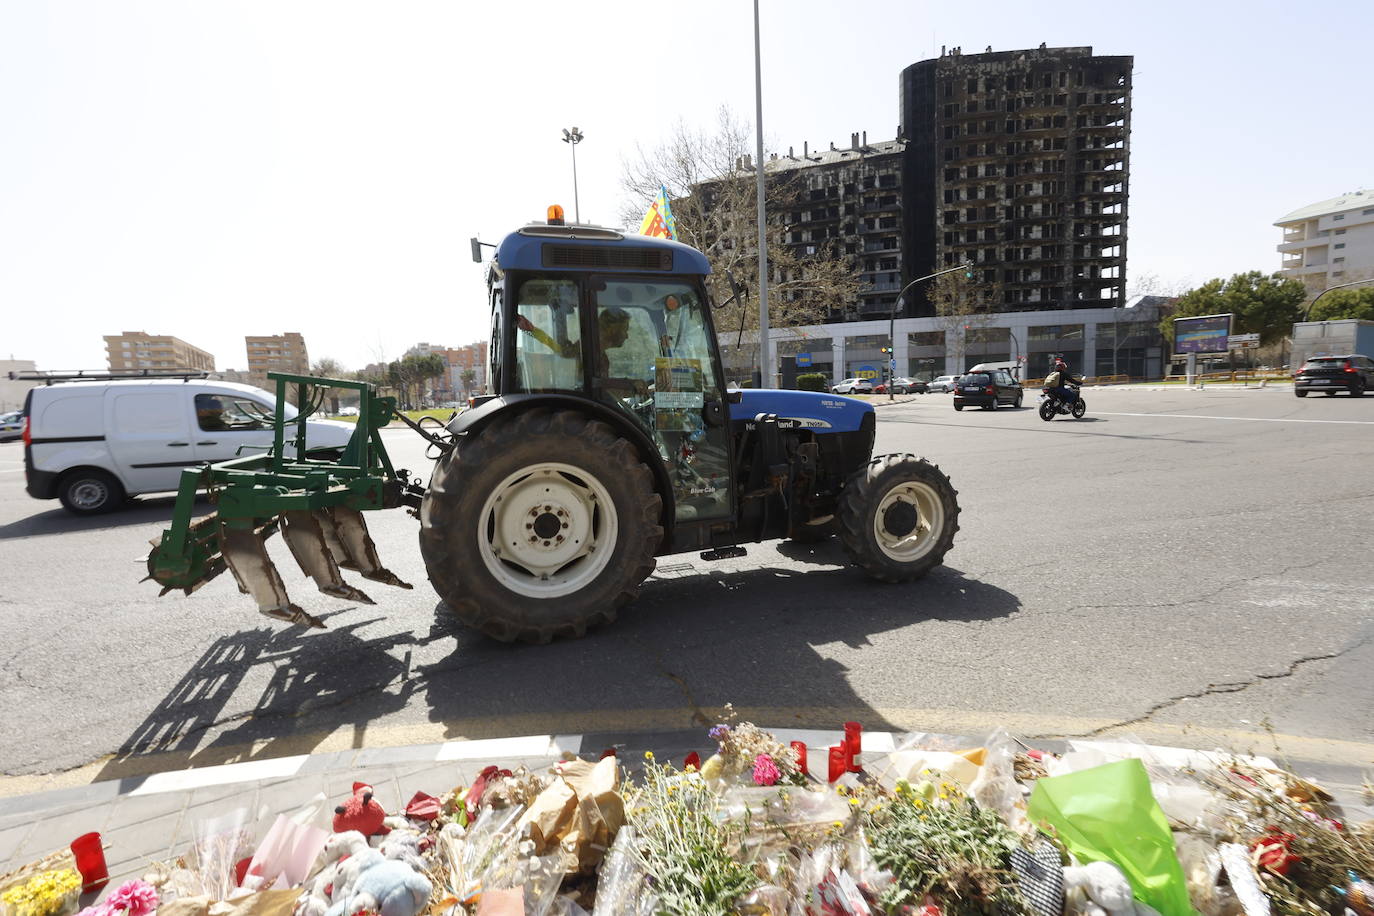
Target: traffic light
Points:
(968, 271)
(885, 350)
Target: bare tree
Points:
(1152, 284)
(712, 188)
(328, 367)
(961, 302)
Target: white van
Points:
(92, 443)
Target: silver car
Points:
(944, 383)
(853, 386)
(11, 425)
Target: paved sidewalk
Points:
(153, 818)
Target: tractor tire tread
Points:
(852, 521)
(444, 508)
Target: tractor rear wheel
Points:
(898, 517)
(540, 526)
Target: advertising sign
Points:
(1204, 334)
(803, 360)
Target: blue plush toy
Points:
(385, 886)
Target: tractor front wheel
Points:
(540, 526)
(898, 517)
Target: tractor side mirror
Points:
(476, 250)
(737, 292)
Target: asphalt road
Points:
(1193, 567)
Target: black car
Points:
(1353, 373)
(988, 390)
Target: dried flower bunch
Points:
(746, 748)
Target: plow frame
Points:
(250, 492)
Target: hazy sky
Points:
(211, 170)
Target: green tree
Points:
(1263, 305)
(468, 377)
(1345, 303)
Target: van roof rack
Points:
(100, 375)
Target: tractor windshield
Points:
(654, 358)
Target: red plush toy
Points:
(362, 813)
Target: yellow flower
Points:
(838, 825)
(690, 768)
(853, 803)
(648, 755)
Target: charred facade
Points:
(1018, 161)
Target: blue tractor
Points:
(609, 438)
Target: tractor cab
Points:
(589, 313)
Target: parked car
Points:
(902, 385)
(92, 443)
(988, 390)
(11, 425)
(853, 386)
(944, 383)
(1353, 373)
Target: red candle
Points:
(839, 761)
(800, 748)
(853, 742)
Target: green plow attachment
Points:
(316, 501)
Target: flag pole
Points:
(765, 360)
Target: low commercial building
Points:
(1095, 341)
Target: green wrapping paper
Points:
(1109, 813)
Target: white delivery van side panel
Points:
(67, 426)
(149, 434)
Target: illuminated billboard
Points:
(1205, 334)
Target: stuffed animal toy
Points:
(388, 887)
(320, 892)
(362, 813)
(1100, 889)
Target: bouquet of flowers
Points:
(52, 893)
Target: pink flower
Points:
(138, 898)
(766, 772)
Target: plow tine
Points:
(305, 536)
(352, 532)
(246, 552)
(331, 538)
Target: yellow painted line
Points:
(628, 722)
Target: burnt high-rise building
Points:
(1018, 161)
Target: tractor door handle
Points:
(208, 442)
(177, 444)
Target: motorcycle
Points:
(1052, 405)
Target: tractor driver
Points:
(613, 325)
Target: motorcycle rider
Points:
(1059, 380)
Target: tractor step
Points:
(724, 553)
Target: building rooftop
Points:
(1350, 200)
(810, 157)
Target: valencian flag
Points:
(659, 220)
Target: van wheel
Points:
(90, 491)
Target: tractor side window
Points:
(548, 339)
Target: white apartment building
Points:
(1329, 242)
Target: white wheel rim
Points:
(88, 494)
(930, 513)
(547, 530)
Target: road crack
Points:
(1227, 687)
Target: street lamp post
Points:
(1308, 311)
(572, 138)
(892, 320)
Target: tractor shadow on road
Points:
(691, 644)
(157, 510)
(332, 676)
